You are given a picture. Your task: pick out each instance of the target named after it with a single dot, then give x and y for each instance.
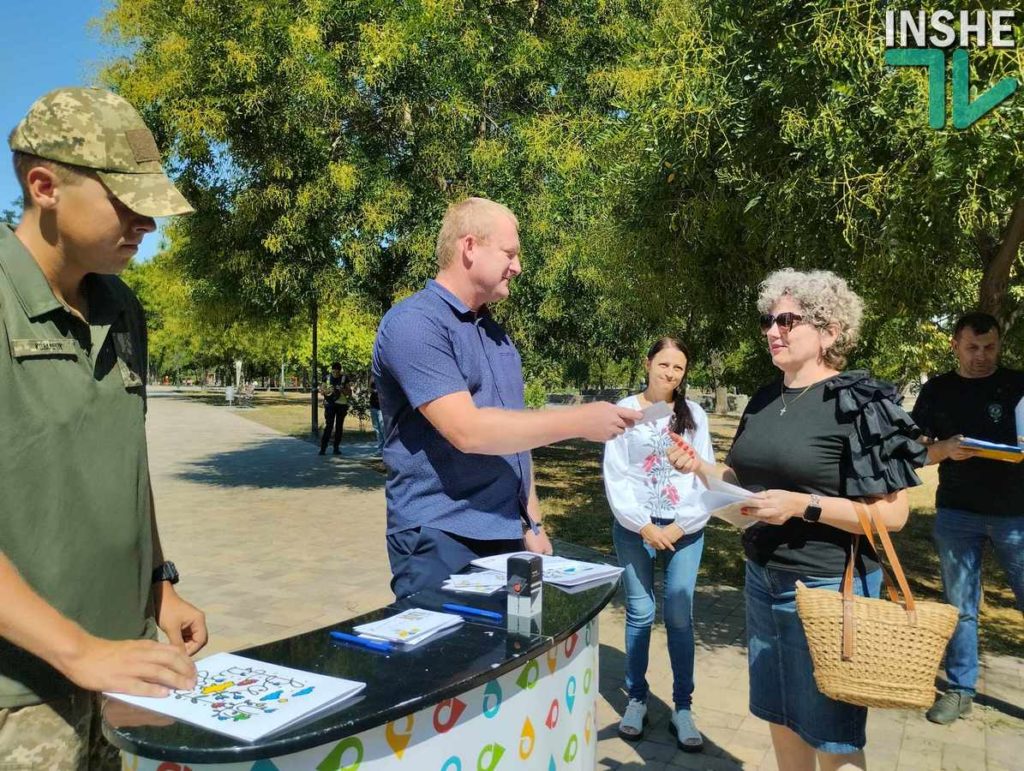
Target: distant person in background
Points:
(336, 390)
(375, 417)
(815, 441)
(659, 517)
(979, 501)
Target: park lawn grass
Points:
(571, 491)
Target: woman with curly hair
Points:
(814, 442)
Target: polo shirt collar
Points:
(457, 305)
(34, 291)
(30, 285)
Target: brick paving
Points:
(273, 540)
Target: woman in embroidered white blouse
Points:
(658, 516)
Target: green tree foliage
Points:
(759, 135)
(663, 158)
(322, 140)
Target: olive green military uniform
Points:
(75, 518)
(75, 511)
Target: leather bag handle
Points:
(864, 517)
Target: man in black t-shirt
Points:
(979, 500)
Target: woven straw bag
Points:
(875, 653)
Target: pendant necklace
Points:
(782, 394)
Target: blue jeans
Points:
(680, 569)
(378, 428)
(960, 537)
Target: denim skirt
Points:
(782, 688)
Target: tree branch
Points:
(992, 289)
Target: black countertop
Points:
(397, 683)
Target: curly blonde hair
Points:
(825, 299)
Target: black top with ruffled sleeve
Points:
(846, 437)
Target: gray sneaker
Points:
(950, 706)
(688, 738)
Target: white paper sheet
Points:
(248, 699)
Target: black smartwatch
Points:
(166, 571)
(813, 511)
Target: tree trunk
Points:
(314, 380)
(994, 283)
(721, 400)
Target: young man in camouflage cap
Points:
(82, 575)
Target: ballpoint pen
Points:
(373, 645)
(467, 610)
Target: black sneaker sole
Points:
(680, 745)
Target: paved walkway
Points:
(273, 540)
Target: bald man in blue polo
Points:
(457, 432)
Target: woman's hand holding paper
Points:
(775, 507)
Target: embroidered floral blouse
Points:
(640, 482)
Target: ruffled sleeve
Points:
(883, 451)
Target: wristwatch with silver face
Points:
(813, 511)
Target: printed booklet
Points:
(248, 699)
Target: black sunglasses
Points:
(786, 321)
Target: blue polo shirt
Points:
(428, 346)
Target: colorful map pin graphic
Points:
(271, 696)
(570, 693)
(552, 658)
(527, 740)
(398, 739)
(551, 764)
(454, 763)
(333, 761)
(552, 720)
(570, 749)
(528, 677)
(492, 753)
(492, 699)
(587, 726)
(264, 765)
(570, 644)
(588, 677)
(447, 714)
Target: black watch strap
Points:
(813, 511)
(166, 571)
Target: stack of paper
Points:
(410, 627)
(482, 582)
(557, 570)
(993, 450)
(724, 501)
(248, 699)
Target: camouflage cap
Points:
(96, 129)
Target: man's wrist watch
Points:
(166, 571)
(813, 511)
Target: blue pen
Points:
(373, 645)
(466, 610)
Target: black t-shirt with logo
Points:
(980, 408)
(843, 437)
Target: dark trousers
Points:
(423, 557)
(334, 419)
